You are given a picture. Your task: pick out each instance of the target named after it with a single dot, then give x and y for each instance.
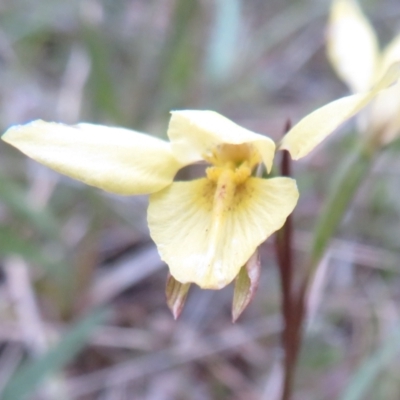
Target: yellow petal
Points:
(384, 118)
(114, 159)
(208, 249)
(390, 55)
(352, 45)
(315, 127)
(194, 133)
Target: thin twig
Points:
(184, 352)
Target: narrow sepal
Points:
(176, 294)
(246, 284)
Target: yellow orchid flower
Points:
(207, 229)
(354, 53)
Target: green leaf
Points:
(224, 40)
(11, 243)
(365, 376)
(102, 80)
(14, 197)
(34, 372)
(347, 182)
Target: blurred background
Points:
(82, 304)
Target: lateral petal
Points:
(208, 250)
(194, 133)
(352, 45)
(316, 126)
(385, 115)
(390, 55)
(114, 159)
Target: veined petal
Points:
(352, 45)
(315, 127)
(194, 133)
(208, 249)
(114, 159)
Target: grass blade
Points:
(365, 376)
(33, 372)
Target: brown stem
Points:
(283, 245)
(293, 312)
(294, 334)
(293, 337)
(292, 301)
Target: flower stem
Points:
(348, 181)
(291, 333)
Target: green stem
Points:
(349, 178)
